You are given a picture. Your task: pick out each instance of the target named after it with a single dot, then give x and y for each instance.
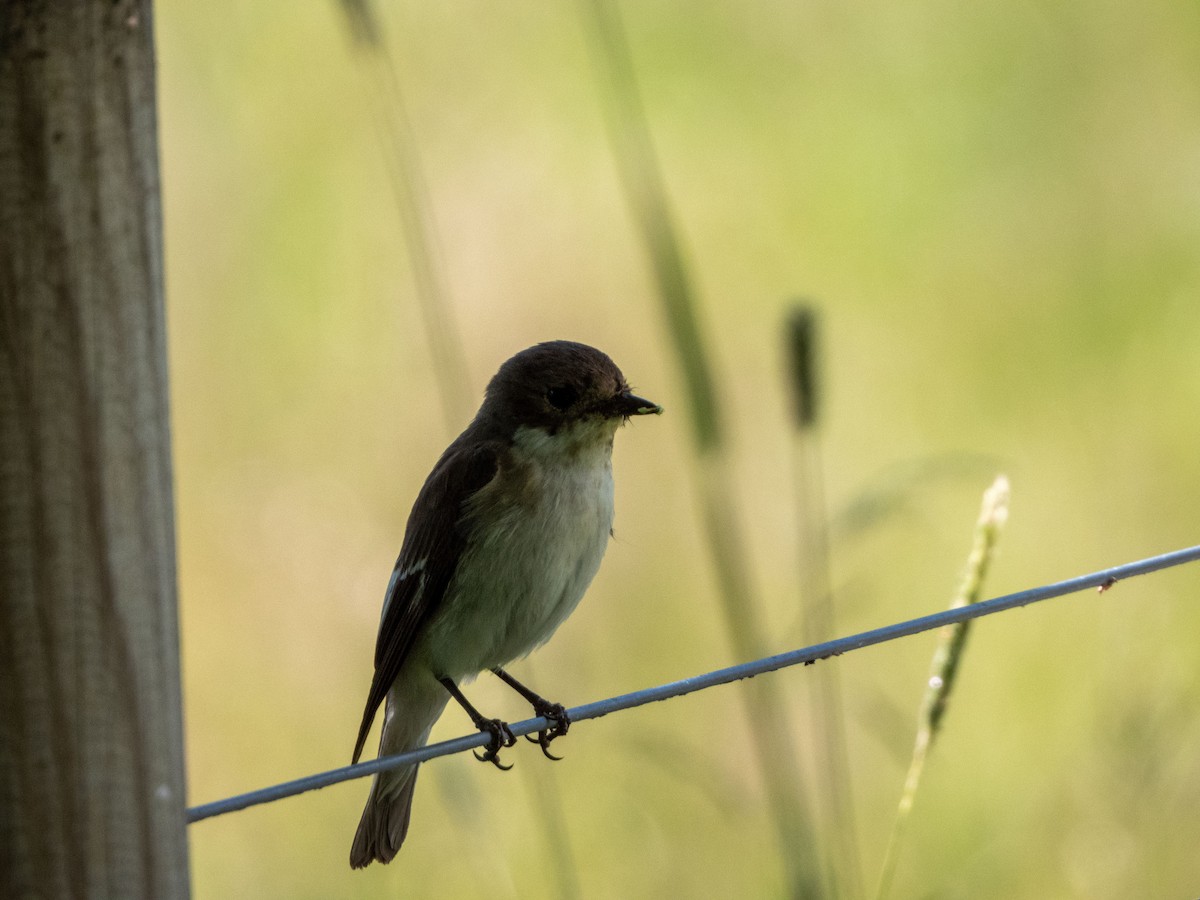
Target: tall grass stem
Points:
(642, 180)
(947, 658)
(835, 798)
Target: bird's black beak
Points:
(628, 404)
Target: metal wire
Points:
(1103, 579)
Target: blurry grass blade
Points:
(466, 808)
(547, 799)
(412, 203)
(946, 660)
(802, 365)
(835, 797)
(641, 179)
(361, 20)
(552, 820)
(639, 171)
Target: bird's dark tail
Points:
(384, 823)
(414, 703)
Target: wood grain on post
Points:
(91, 741)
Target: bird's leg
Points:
(555, 712)
(502, 735)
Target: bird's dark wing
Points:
(433, 543)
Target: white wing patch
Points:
(398, 575)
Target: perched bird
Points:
(501, 544)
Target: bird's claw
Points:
(560, 722)
(501, 737)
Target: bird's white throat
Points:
(584, 442)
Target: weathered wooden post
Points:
(91, 741)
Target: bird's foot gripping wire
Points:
(502, 737)
(560, 721)
(501, 734)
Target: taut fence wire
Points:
(1102, 579)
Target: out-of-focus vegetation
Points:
(998, 210)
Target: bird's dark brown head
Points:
(560, 382)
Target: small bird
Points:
(502, 541)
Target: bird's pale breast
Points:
(538, 534)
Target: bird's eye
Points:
(562, 396)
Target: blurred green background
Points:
(997, 210)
